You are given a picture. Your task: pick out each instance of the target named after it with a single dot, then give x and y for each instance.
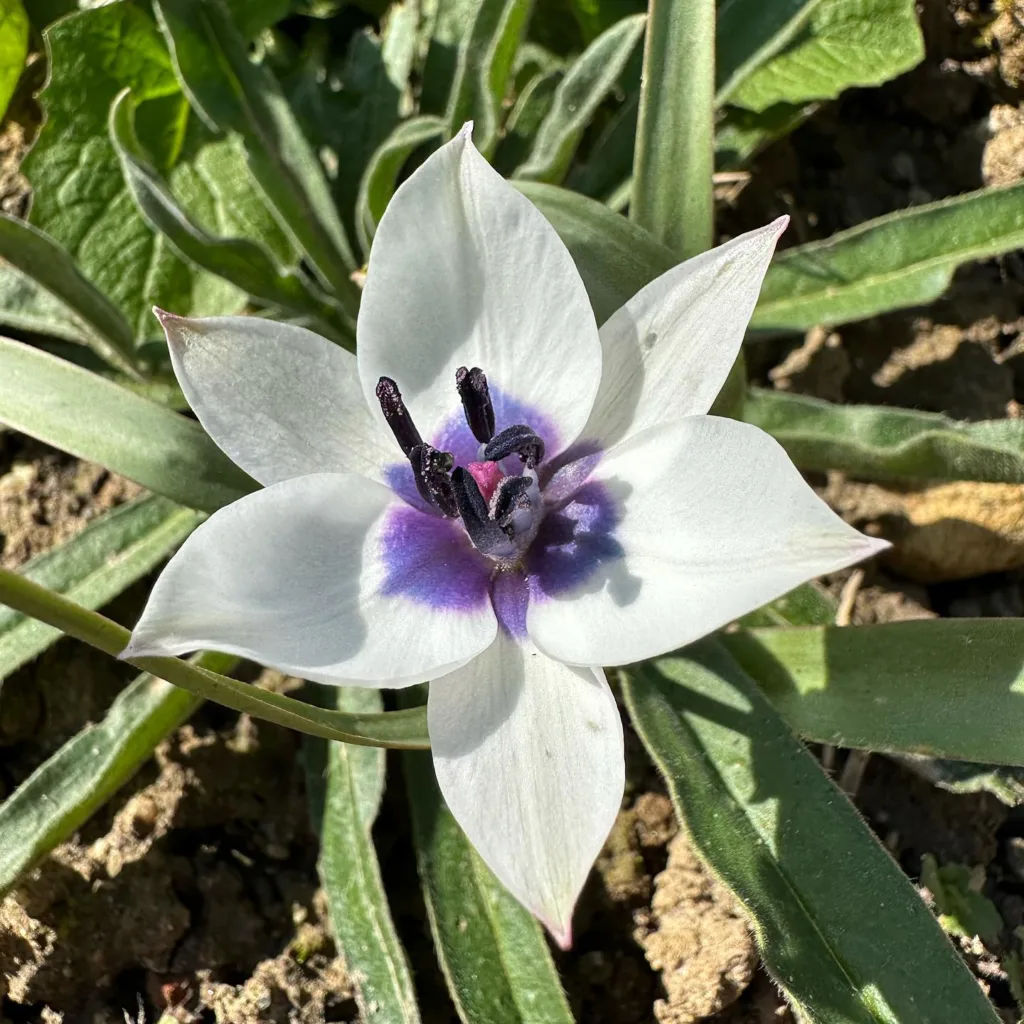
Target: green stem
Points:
(405, 730)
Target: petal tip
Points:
(561, 934)
(780, 224)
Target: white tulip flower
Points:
(557, 500)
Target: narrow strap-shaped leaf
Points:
(348, 782)
(486, 55)
(577, 97)
(378, 182)
(840, 927)
(675, 148)
(95, 419)
(47, 263)
(491, 950)
(902, 259)
(244, 263)
(401, 729)
(27, 306)
(524, 120)
(609, 162)
(108, 556)
(888, 444)
(615, 257)
(941, 687)
(68, 788)
(234, 94)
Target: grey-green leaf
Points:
(486, 55)
(579, 94)
(95, 419)
(233, 94)
(108, 556)
(244, 263)
(378, 184)
(793, 849)
(50, 265)
(903, 259)
(491, 950)
(67, 789)
(882, 443)
(940, 687)
(27, 306)
(352, 779)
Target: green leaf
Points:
(843, 43)
(110, 554)
(27, 306)
(47, 263)
(79, 196)
(804, 606)
(378, 184)
(13, 48)
(796, 853)
(961, 907)
(902, 259)
(888, 444)
(674, 159)
(486, 56)
(350, 782)
(938, 687)
(524, 121)
(406, 730)
(246, 264)
(491, 950)
(95, 419)
(68, 788)
(609, 162)
(445, 24)
(582, 90)
(741, 134)
(615, 257)
(233, 94)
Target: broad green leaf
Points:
(584, 87)
(741, 134)
(492, 952)
(79, 196)
(888, 444)
(42, 259)
(807, 605)
(253, 16)
(68, 788)
(615, 257)
(675, 149)
(348, 782)
(842, 43)
(840, 927)
(95, 419)
(378, 184)
(406, 730)
(246, 264)
(110, 554)
(486, 55)
(233, 94)
(524, 120)
(902, 259)
(13, 48)
(938, 687)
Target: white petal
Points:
(696, 523)
(329, 577)
(465, 271)
(668, 351)
(279, 400)
(529, 757)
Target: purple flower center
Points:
(486, 518)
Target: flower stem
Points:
(400, 729)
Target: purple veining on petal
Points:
(574, 542)
(456, 437)
(431, 561)
(510, 595)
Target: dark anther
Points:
(431, 468)
(397, 415)
(486, 535)
(520, 439)
(476, 401)
(511, 496)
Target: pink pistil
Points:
(487, 476)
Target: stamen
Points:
(487, 536)
(476, 401)
(520, 439)
(430, 468)
(397, 415)
(511, 497)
